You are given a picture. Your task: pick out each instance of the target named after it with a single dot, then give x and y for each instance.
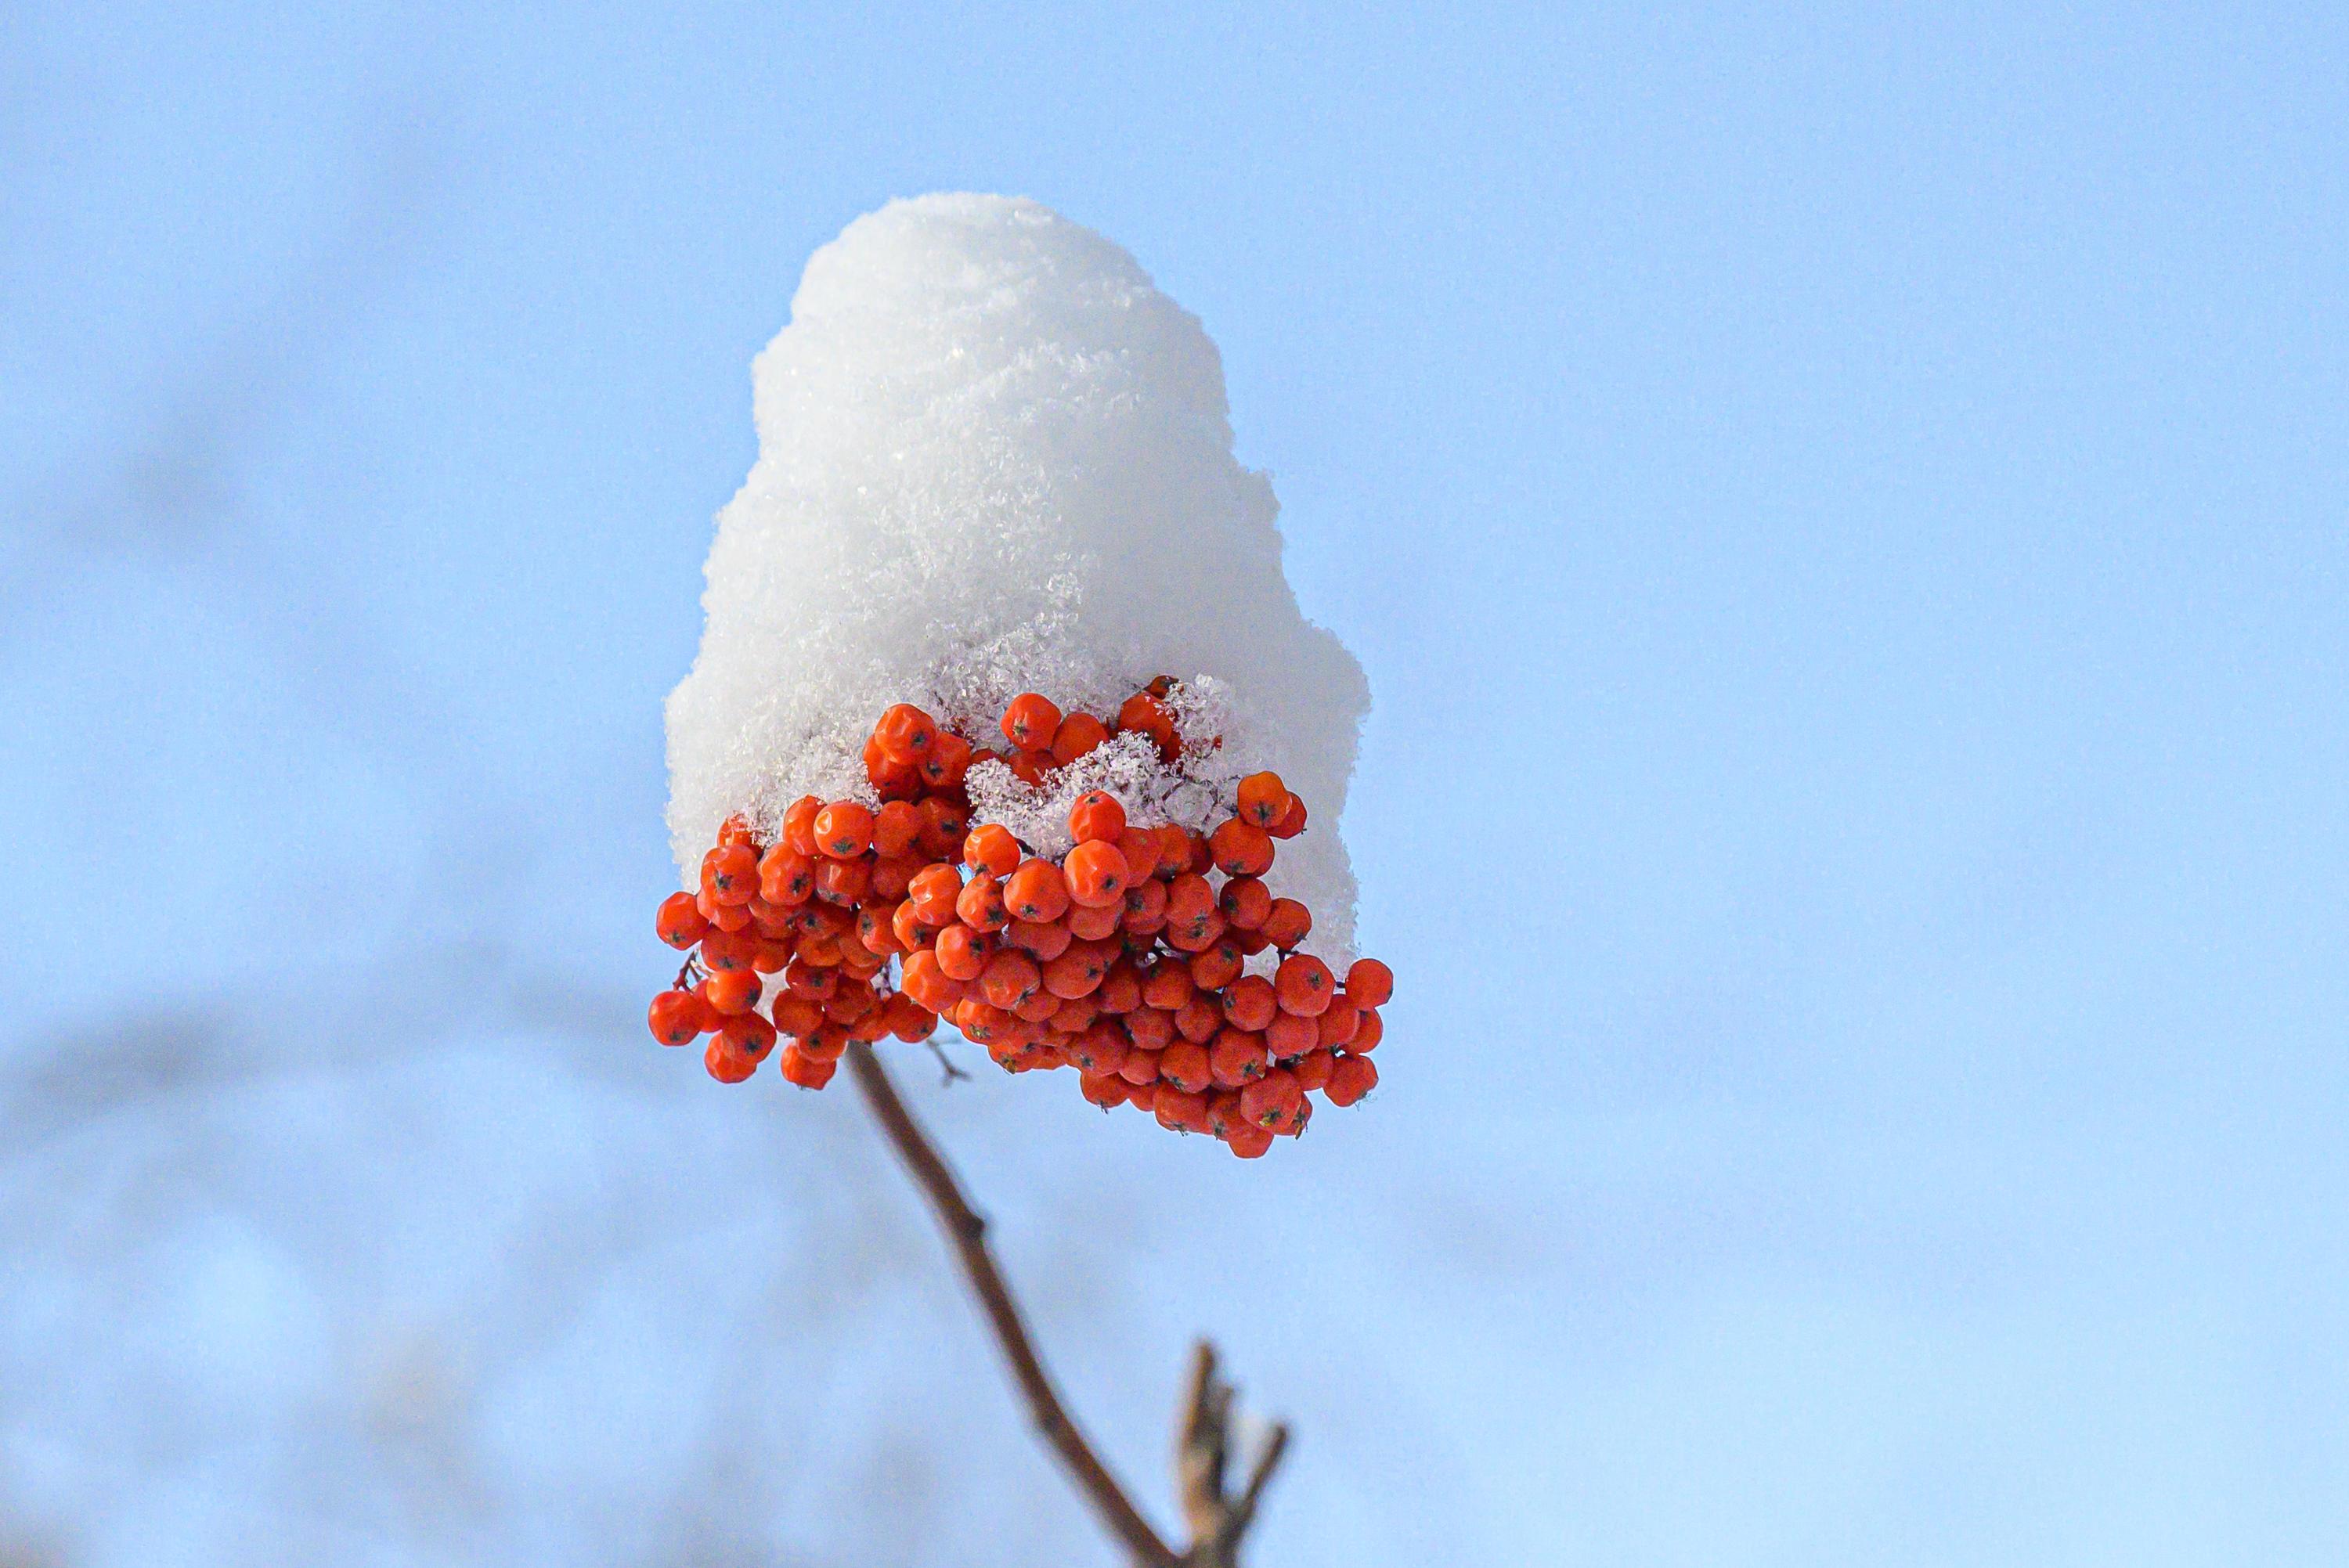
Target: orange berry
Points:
(1246, 901)
(1369, 982)
(806, 1071)
(1336, 1026)
(979, 905)
(1039, 1008)
(1141, 848)
(1121, 988)
(1078, 972)
(1312, 1070)
(772, 953)
(1036, 891)
(843, 883)
(890, 779)
(1174, 850)
(736, 829)
(1098, 1048)
(1304, 985)
(1103, 1089)
(1287, 923)
(1216, 967)
(905, 733)
(892, 875)
(1010, 979)
(1030, 766)
(1189, 898)
(1368, 1033)
(1237, 1057)
(1139, 1068)
(1040, 939)
(1351, 1077)
(724, 916)
(826, 1042)
(786, 877)
(1202, 853)
(806, 977)
(1096, 874)
(679, 922)
(1180, 1112)
(1250, 1142)
(678, 1017)
(1292, 821)
(935, 887)
(926, 982)
(796, 1015)
(1144, 910)
(1199, 1019)
(1031, 721)
(962, 953)
(1076, 734)
(727, 1063)
(948, 759)
(1145, 713)
(906, 926)
(750, 1034)
(1250, 1001)
(843, 829)
(1095, 925)
(876, 929)
(1241, 850)
(1168, 986)
(798, 825)
(1269, 1100)
(731, 873)
(1097, 815)
(1264, 799)
(1152, 1028)
(729, 950)
(895, 827)
(981, 1022)
(943, 824)
(992, 849)
(1185, 1066)
(1075, 1014)
(1290, 1036)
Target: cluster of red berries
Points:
(1124, 959)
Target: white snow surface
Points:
(993, 458)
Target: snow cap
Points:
(993, 458)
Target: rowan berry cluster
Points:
(1126, 958)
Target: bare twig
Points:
(1217, 1519)
(947, 1071)
(968, 1230)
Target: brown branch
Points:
(968, 1230)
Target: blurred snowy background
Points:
(1844, 514)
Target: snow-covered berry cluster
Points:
(1149, 956)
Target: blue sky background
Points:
(1843, 511)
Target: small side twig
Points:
(1217, 1517)
(948, 1071)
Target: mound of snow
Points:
(994, 459)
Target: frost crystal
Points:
(994, 459)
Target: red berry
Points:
(680, 923)
(678, 1017)
(1097, 815)
(1350, 1079)
(1369, 982)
